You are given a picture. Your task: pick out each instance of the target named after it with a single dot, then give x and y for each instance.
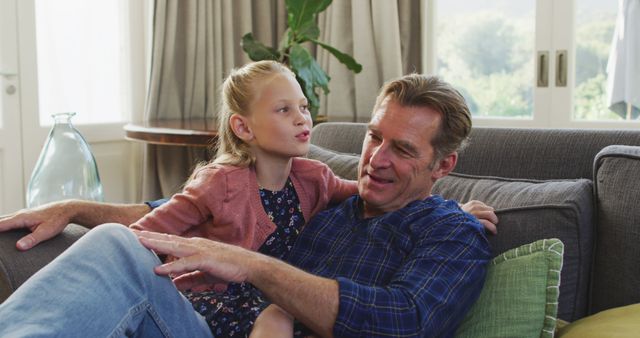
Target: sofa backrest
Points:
(541, 154)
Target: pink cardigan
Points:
(222, 203)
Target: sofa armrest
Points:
(16, 266)
(617, 254)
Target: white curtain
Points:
(623, 69)
(384, 36)
(195, 44)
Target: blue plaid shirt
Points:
(414, 272)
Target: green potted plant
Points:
(302, 28)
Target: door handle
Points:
(561, 68)
(543, 69)
(7, 74)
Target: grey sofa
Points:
(581, 186)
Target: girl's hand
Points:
(199, 261)
(484, 213)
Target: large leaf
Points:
(301, 14)
(307, 32)
(309, 73)
(256, 50)
(346, 59)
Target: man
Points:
(393, 261)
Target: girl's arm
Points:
(201, 198)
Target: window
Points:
(485, 48)
(595, 23)
(529, 63)
(83, 60)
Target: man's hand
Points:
(44, 222)
(199, 262)
(484, 213)
(313, 300)
(49, 220)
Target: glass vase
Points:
(66, 167)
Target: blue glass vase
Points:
(66, 167)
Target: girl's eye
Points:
(283, 109)
(305, 108)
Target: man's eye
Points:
(404, 152)
(374, 137)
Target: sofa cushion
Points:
(616, 275)
(529, 210)
(618, 322)
(520, 294)
(343, 165)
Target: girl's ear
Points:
(240, 127)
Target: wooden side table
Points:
(177, 132)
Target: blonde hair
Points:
(238, 90)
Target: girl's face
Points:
(279, 118)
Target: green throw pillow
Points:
(520, 294)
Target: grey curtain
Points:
(384, 36)
(195, 43)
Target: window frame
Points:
(553, 106)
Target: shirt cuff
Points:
(156, 203)
(350, 321)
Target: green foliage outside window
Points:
(490, 58)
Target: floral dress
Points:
(233, 312)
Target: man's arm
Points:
(49, 220)
(428, 294)
(311, 299)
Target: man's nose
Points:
(380, 157)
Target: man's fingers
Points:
(189, 280)
(489, 226)
(489, 216)
(27, 242)
(196, 280)
(166, 244)
(10, 222)
(180, 266)
(38, 235)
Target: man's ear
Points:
(240, 127)
(444, 166)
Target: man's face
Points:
(396, 164)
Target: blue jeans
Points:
(102, 286)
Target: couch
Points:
(579, 186)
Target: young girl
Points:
(257, 193)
